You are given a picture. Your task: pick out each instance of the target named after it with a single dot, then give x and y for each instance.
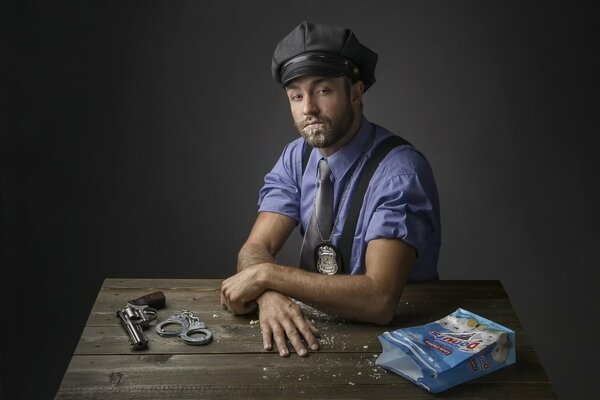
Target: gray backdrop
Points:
(143, 130)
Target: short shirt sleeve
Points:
(280, 192)
(402, 210)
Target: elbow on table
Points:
(383, 312)
(384, 318)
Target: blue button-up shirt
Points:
(401, 201)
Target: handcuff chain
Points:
(189, 316)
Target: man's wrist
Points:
(263, 297)
(264, 274)
(266, 296)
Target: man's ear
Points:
(357, 90)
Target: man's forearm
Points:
(356, 297)
(251, 254)
(371, 297)
(268, 234)
(330, 295)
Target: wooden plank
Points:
(489, 391)
(160, 283)
(191, 298)
(226, 339)
(431, 290)
(188, 298)
(344, 375)
(408, 313)
(454, 290)
(240, 339)
(248, 369)
(411, 313)
(206, 302)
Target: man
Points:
(360, 276)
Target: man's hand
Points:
(239, 292)
(281, 318)
(255, 258)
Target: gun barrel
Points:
(133, 329)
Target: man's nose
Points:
(310, 106)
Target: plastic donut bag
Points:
(445, 353)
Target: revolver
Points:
(136, 316)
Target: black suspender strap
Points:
(358, 196)
(305, 156)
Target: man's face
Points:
(321, 108)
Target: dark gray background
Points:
(140, 133)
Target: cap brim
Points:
(309, 68)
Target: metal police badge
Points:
(327, 259)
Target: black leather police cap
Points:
(315, 49)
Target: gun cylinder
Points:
(133, 329)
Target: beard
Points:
(328, 131)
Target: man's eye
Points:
(295, 97)
(323, 91)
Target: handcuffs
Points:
(190, 324)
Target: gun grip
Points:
(154, 300)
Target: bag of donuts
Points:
(447, 352)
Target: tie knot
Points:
(324, 170)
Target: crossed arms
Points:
(261, 282)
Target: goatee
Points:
(324, 132)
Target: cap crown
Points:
(317, 38)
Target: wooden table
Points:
(234, 365)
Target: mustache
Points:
(310, 121)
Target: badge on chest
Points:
(327, 259)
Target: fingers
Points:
(224, 298)
(272, 330)
(312, 327)
(249, 307)
(281, 321)
(310, 333)
(231, 299)
(301, 327)
(279, 337)
(267, 335)
(241, 308)
(239, 292)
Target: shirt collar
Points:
(341, 161)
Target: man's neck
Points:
(347, 138)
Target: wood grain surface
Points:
(235, 366)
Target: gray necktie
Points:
(321, 219)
